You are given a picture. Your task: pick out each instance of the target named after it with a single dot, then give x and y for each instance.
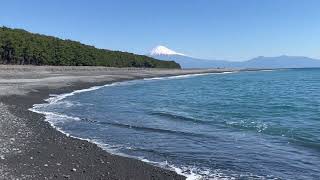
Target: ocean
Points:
(241, 125)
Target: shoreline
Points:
(96, 87)
(40, 151)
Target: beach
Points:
(30, 148)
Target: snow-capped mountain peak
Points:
(162, 50)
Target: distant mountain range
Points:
(164, 53)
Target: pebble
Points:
(66, 176)
(2, 157)
(46, 165)
(101, 161)
(74, 169)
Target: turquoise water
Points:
(244, 125)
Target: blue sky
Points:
(213, 29)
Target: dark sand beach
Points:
(31, 149)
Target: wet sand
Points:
(31, 149)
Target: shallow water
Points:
(245, 125)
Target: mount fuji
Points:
(164, 53)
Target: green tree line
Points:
(21, 47)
